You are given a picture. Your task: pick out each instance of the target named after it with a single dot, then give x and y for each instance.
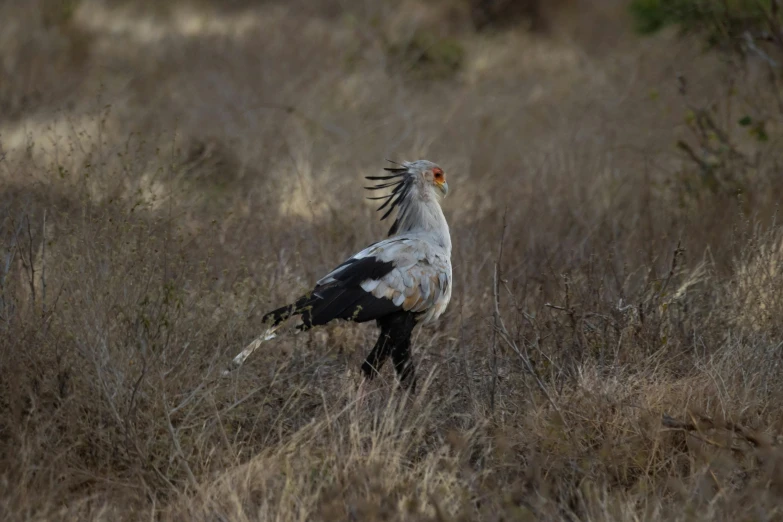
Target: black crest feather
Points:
(401, 179)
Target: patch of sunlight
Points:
(152, 191)
(756, 295)
(303, 197)
(184, 21)
(62, 140)
(80, 148)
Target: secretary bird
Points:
(398, 282)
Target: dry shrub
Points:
(755, 296)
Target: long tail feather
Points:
(252, 347)
(277, 318)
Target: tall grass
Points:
(612, 350)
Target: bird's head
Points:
(430, 175)
(425, 175)
(411, 183)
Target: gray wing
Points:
(408, 271)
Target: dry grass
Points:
(170, 174)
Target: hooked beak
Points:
(444, 187)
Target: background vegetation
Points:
(170, 171)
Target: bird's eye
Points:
(438, 173)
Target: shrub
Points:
(720, 20)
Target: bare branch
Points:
(43, 267)
(31, 260)
(504, 334)
(494, 360)
(698, 423)
(177, 446)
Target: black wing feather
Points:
(343, 298)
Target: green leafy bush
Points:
(720, 20)
(727, 134)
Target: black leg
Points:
(401, 350)
(373, 363)
(394, 340)
(403, 365)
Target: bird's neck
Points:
(425, 216)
